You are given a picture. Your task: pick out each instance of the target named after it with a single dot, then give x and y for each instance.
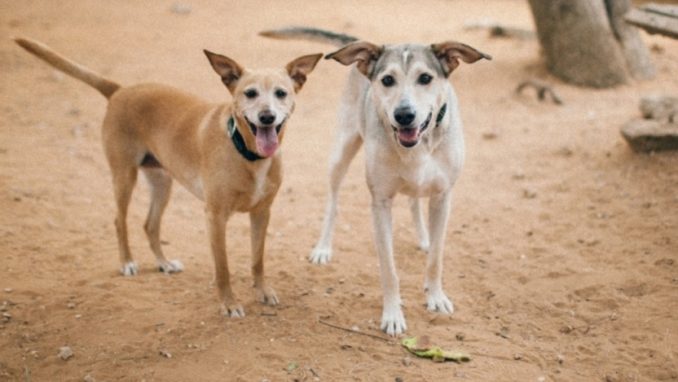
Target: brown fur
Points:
(170, 134)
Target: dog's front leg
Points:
(439, 210)
(258, 225)
(216, 223)
(392, 319)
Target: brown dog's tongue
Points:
(267, 141)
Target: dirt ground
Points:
(562, 248)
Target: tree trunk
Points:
(586, 42)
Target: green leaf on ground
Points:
(422, 347)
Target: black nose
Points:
(404, 116)
(266, 117)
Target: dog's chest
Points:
(426, 175)
(259, 189)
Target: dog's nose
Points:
(266, 117)
(404, 116)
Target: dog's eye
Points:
(388, 81)
(424, 79)
(251, 93)
(280, 93)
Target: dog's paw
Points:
(267, 296)
(130, 268)
(424, 245)
(170, 266)
(393, 321)
(320, 255)
(438, 302)
(233, 310)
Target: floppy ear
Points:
(227, 69)
(298, 69)
(450, 52)
(364, 53)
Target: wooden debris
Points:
(646, 135)
(542, 89)
(655, 19)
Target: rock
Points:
(165, 353)
(65, 353)
(89, 378)
(650, 135)
(661, 108)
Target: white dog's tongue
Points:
(267, 141)
(408, 135)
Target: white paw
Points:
(424, 245)
(320, 255)
(438, 302)
(393, 321)
(233, 310)
(130, 268)
(267, 296)
(171, 266)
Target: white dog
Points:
(400, 104)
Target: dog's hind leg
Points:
(345, 150)
(439, 210)
(418, 218)
(160, 183)
(124, 180)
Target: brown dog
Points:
(225, 154)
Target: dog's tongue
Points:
(408, 135)
(267, 141)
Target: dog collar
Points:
(239, 142)
(441, 114)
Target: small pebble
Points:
(65, 353)
(407, 361)
(517, 356)
(71, 305)
(89, 378)
(165, 354)
(8, 290)
(180, 9)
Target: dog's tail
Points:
(103, 85)
(311, 34)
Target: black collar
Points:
(239, 142)
(441, 114)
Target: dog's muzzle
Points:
(266, 137)
(409, 136)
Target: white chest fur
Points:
(258, 189)
(426, 175)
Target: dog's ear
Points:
(364, 53)
(299, 68)
(227, 69)
(450, 52)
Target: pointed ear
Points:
(450, 52)
(364, 53)
(298, 69)
(227, 69)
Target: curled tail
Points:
(103, 85)
(311, 34)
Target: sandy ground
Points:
(562, 247)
